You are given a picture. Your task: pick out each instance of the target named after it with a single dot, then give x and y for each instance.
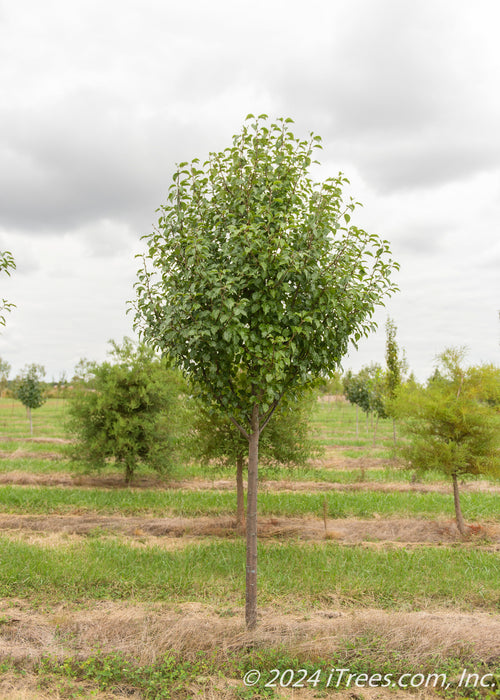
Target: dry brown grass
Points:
(146, 632)
(25, 454)
(112, 481)
(12, 687)
(27, 688)
(178, 532)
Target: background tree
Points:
(30, 390)
(286, 442)
(331, 386)
(367, 391)
(357, 392)
(83, 372)
(395, 368)
(453, 425)
(126, 411)
(377, 383)
(4, 375)
(258, 283)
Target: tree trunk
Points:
(251, 571)
(357, 421)
(375, 432)
(240, 494)
(31, 421)
(458, 511)
(129, 473)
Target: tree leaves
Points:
(30, 390)
(126, 411)
(254, 285)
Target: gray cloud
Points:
(83, 160)
(108, 113)
(403, 91)
(99, 100)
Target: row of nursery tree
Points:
(136, 410)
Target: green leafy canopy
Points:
(453, 424)
(255, 280)
(127, 411)
(30, 390)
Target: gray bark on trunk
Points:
(240, 494)
(458, 510)
(251, 565)
(375, 432)
(129, 473)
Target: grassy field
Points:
(138, 592)
(295, 574)
(187, 503)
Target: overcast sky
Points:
(100, 98)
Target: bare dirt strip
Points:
(374, 532)
(113, 481)
(146, 632)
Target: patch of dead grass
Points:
(116, 480)
(376, 532)
(28, 687)
(25, 454)
(146, 632)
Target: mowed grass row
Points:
(58, 450)
(296, 575)
(212, 471)
(185, 503)
(48, 420)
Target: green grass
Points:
(292, 576)
(34, 448)
(340, 419)
(39, 466)
(48, 420)
(174, 676)
(297, 575)
(347, 476)
(179, 502)
(211, 472)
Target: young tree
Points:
(125, 411)
(367, 390)
(6, 265)
(396, 367)
(286, 441)
(377, 381)
(30, 390)
(258, 283)
(4, 375)
(453, 424)
(83, 373)
(333, 386)
(357, 392)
